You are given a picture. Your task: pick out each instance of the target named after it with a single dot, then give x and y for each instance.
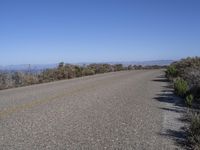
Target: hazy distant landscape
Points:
(39, 67)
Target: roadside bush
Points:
(192, 76)
(187, 66)
(196, 92)
(87, 72)
(189, 100)
(171, 72)
(118, 67)
(194, 132)
(187, 82)
(181, 87)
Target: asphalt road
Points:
(107, 111)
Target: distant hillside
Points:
(126, 63)
(144, 63)
(39, 67)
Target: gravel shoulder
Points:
(117, 110)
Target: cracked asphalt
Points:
(106, 111)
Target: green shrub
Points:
(181, 87)
(194, 132)
(189, 100)
(87, 72)
(171, 71)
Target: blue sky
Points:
(51, 31)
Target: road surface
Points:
(106, 111)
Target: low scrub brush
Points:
(188, 100)
(194, 132)
(181, 87)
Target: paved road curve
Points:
(106, 111)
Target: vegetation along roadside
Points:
(13, 79)
(185, 76)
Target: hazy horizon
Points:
(98, 62)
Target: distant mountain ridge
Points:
(37, 67)
(143, 63)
